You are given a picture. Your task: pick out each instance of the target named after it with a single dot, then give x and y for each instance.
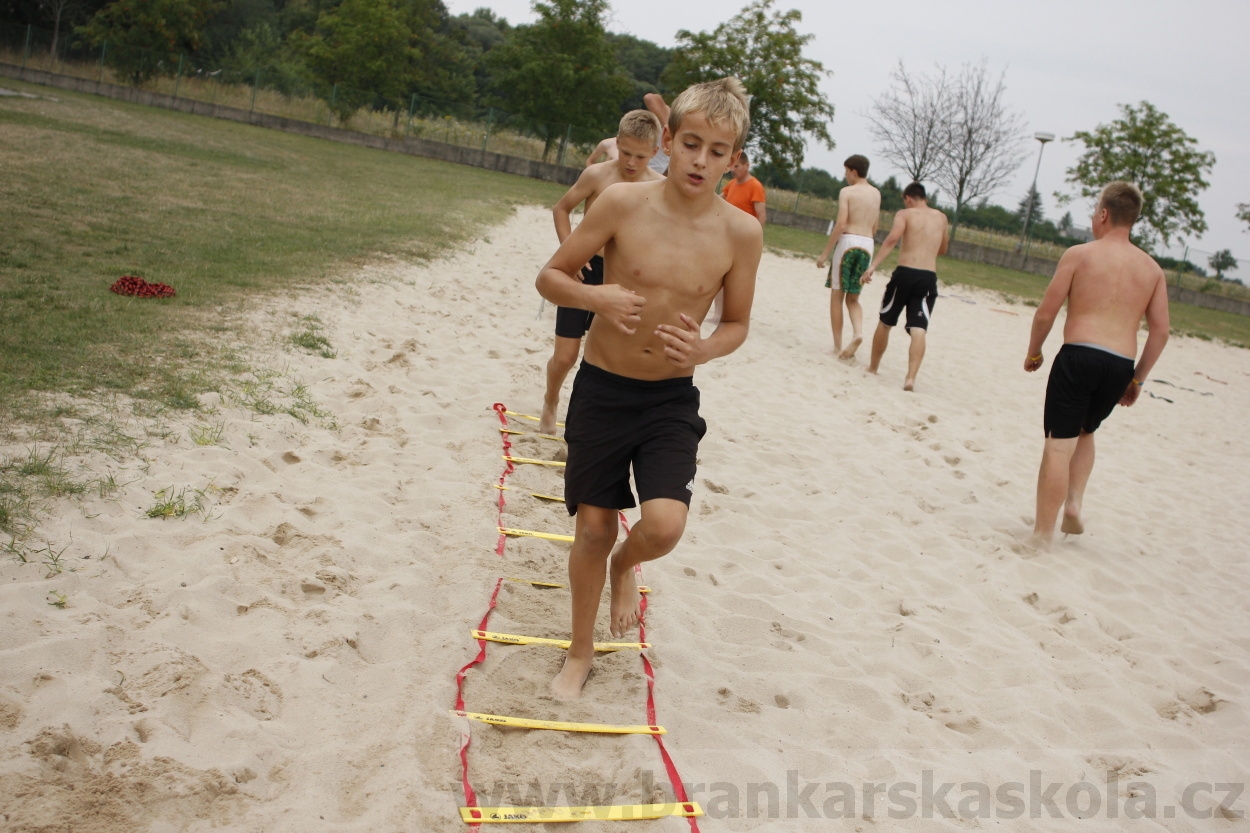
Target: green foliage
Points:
(891, 195)
(1222, 261)
(561, 71)
(764, 50)
(387, 49)
(1144, 147)
(1243, 212)
(644, 62)
(480, 32)
(1035, 216)
(146, 37)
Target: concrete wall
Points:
(1202, 299)
(415, 147)
(526, 167)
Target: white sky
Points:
(1068, 63)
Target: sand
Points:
(851, 609)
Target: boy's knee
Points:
(663, 533)
(598, 533)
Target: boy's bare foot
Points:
(547, 421)
(909, 384)
(849, 352)
(567, 685)
(626, 607)
(1039, 542)
(1071, 524)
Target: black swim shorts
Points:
(573, 323)
(1084, 386)
(614, 422)
(914, 290)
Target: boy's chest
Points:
(685, 260)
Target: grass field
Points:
(96, 189)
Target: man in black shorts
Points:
(913, 286)
(1108, 284)
(670, 246)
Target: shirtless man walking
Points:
(859, 208)
(1109, 284)
(913, 286)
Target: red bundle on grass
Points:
(130, 285)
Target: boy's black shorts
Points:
(571, 322)
(1084, 386)
(613, 422)
(914, 290)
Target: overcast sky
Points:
(1068, 64)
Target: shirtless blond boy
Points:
(636, 142)
(913, 284)
(1109, 284)
(669, 248)
(859, 207)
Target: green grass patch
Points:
(95, 189)
(1022, 287)
(311, 338)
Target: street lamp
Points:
(1025, 241)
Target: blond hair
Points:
(641, 125)
(723, 101)
(1123, 201)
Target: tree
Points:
(1144, 147)
(561, 72)
(1065, 223)
(1221, 262)
(383, 50)
(911, 120)
(1243, 213)
(982, 146)
(146, 37)
(644, 62)
(58, 10)
(764, 50)
(1022, 210)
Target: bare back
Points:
(924, 237)
(1112, 284)
(863, 207)
(677, 262)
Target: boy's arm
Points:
(601, 150)
(891, 240)
(557, 282)
(583, 188)
(684, 346)
(844, 212)
(1048, 309)
(1158, 320)
(946, 238)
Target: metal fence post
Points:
(564, 145)
(334, 93)
(490, 115)
(802, 173)
(1180, 272)
(255, 86)
(178, 77)
(26, 51)
(412, 105)
(104, 47)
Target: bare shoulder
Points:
(742, 227)
(624, 196)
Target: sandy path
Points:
(851, 604)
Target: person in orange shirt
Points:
(745, 191)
